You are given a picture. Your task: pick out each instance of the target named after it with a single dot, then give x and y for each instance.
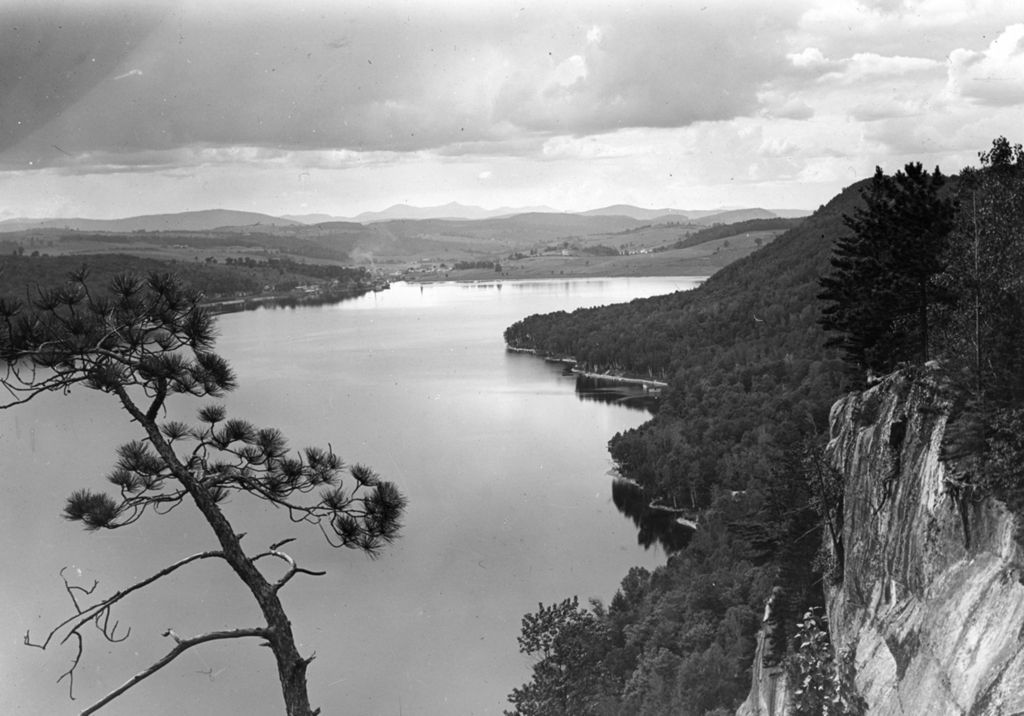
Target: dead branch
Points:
(99, 614)
(293, 567)
(181, 646)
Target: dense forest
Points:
(216, 281)
(315, 245)
(898, 270)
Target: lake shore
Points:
(647, 383)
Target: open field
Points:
(702, 260)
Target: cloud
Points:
(858, 67)
(865, 65)
(918, 28)
(777, 147)
(782, 105)
(670, 67)
(994, 76)
(811, 61)
(401, 77)
(53, 56)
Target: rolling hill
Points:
(205, 220)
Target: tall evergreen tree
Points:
(883, 274)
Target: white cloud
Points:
(811, 59)
(569, 71)
(777, 147)
(881, 108)
(994, 76)
(869, 64)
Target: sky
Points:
(112, 109)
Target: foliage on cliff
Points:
(823, 681)
(926, 274)
(982, 334)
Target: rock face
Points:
(769, 692)
(931, 603)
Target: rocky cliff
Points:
(931, 602)
(930, 607)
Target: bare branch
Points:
(181, 646)
(99, 614)
(83, 616)
(293, 567)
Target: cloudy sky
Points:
(112, 109)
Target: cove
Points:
(509, 505)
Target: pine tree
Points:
(142, 342)
(882, 282)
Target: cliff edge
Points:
(931, 604)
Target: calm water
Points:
(504, 467)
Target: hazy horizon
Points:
(511, 209)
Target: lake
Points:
(506, 471)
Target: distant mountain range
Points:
(452, 210)
(206, 220)
(213, 219)
(636, 212)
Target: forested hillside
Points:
(902, 271)
(216, 281)
(750, 384)
(743, 355)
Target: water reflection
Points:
(249, 304)
(636, 396)
(669, 527)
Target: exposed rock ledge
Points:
(934, 627)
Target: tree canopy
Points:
(983, 333)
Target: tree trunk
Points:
(291, 667)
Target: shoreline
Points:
(647, 383)
(289, 300)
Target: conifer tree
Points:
(142, 342)
(883, 274)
